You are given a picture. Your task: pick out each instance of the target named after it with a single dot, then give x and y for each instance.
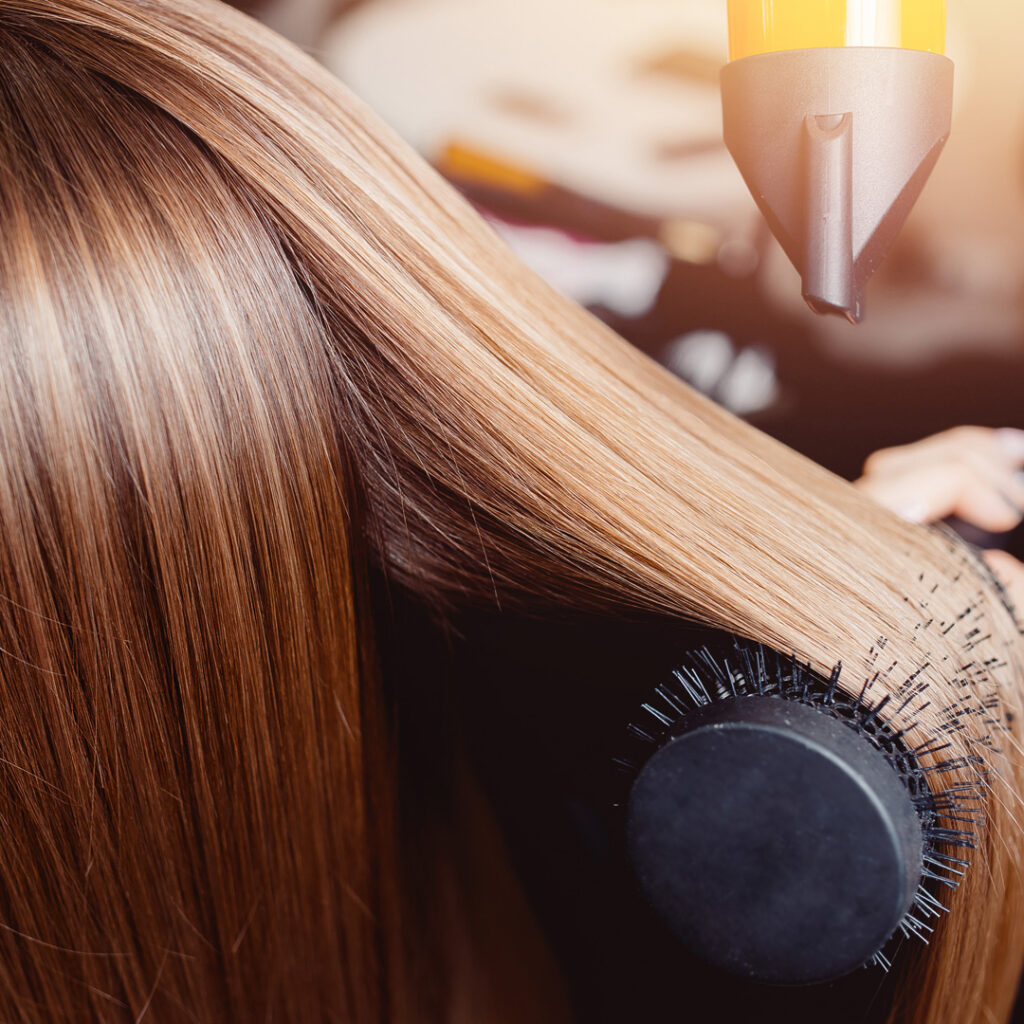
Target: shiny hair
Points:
(252, 345)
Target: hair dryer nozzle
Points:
(835, 145)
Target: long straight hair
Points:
(251, 343)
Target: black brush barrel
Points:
(774, 841)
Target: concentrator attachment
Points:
(835, 144)
(779, 827)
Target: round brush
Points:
(781, 828)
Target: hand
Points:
(970, 472)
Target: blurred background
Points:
(589, 132)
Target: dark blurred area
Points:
(589, 133)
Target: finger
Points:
(1010, 574)
(927, 493)
(1002, 450)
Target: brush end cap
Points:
(775, 841)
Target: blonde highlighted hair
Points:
(250, 344)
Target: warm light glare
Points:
(763, 26)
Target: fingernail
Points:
(1012, 504)
(913, 512)
(1012, 442)
(1015, 499)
